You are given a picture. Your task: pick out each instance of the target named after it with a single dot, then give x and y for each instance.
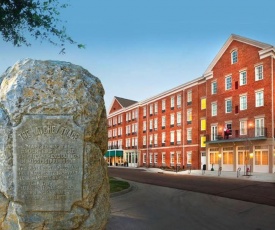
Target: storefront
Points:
(114, 157)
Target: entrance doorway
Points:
(203, 159)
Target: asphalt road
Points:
(251, 191)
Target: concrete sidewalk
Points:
(264, 177)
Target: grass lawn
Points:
(117, 185)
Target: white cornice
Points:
(270, 51)
(235, 37)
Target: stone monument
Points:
(53, 135)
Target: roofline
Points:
(232, 37)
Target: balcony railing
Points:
(253, 133)
(115, 147)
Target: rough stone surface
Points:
(65, 103)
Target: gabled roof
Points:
(125, 102)
(235, 37)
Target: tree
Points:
(40, 19)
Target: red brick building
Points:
(224, 118)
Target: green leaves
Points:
(40, 19)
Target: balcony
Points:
(236, 135)
(115, 147)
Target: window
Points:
(261, 155)
(243, 78)
(155, 158)
(178, 100)
(163, 138)
(151, 140)
(189, 97)
(243, 102)
(151, 158)
(144, 111)
(227, 155)
(151, 124)
(178, 158)
(114, 120)
(189, 158)
(151, 109)
(214, 109)
(172, 102)
(163, 158)
(203, 124)
(144, 140)
(172, 120)
(259, 73)
(163, 121)
(155, 124)
(163, 105)
(172, 137)
(203, 140)
(214, 155)
(259, 127)
(214, 87)
(228, 106)
(144, 158)
(189, 135)
(156, 108)
(234, 56)
(110, 122)
(172, 158)
(178, 137)
(144, 126)
(228, 82)
(203, 103)
(189, 116)
(214, 132)
(155, 140)
(179, 118)
(243, 127)
(259, 95)
(109, 133)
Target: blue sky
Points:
(141, 48)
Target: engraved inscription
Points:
(48, 162)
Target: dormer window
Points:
(234, 56)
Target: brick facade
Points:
(185, 126)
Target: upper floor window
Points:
(151, 109)
(228, 106)
(228, 82)
(259, 98)
(203, 124)
(178, 118)
(214, 87)
(144, 111)
(179, 100)
(214, 109)
(243, 102)
(243, 78)
(172, 102)
(172, 119)
(163, 105)
(163, 121)
(259, 73)
(203, 103)
(156, 108)
(243, 127)
(189, 97)
(234, 56)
